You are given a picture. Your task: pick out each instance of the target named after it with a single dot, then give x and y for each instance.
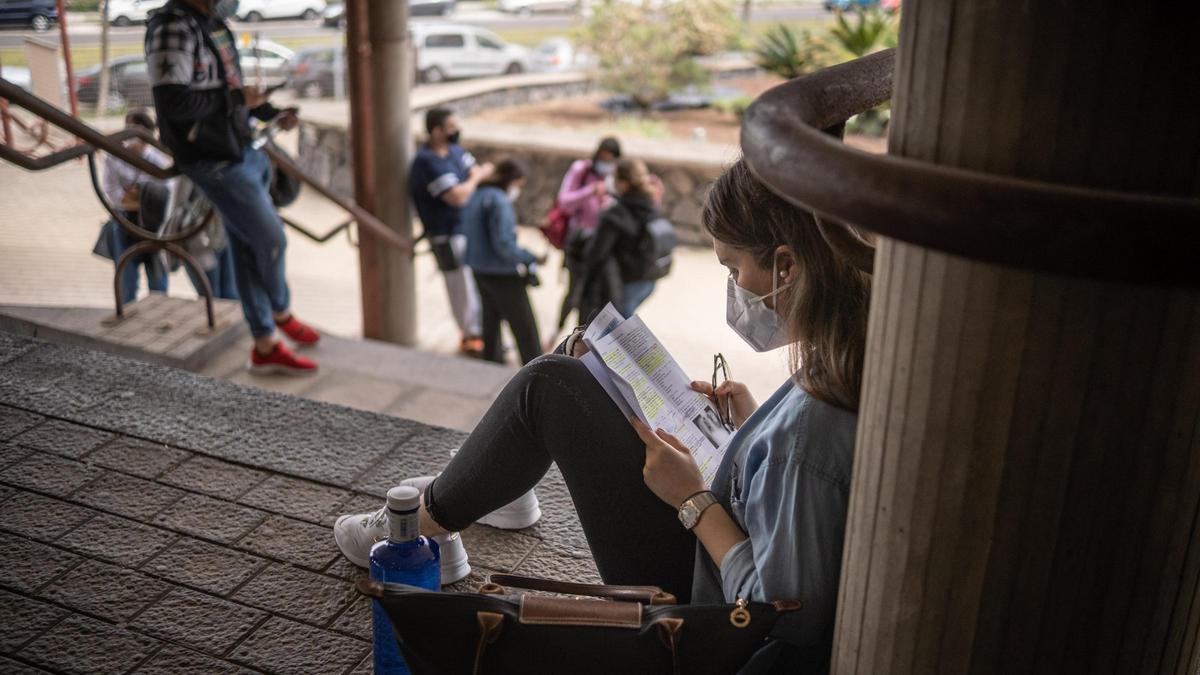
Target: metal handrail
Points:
(88, 134)
(1053, 228)
(113, 144)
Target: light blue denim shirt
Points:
(785, 479)
(491, 228)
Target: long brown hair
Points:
(825, 310)
(634, 172)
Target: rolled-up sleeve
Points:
(796, 519)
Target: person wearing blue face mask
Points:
(772, 524)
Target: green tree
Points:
(646, 54)
(788, 53)
(872, 30)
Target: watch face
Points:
(688, 514)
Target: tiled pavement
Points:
(153, 520)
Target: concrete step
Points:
(158, 329)
(368, 375)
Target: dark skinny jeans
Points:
(553, 410)
(504, 298)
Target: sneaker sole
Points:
(512, 520)
(276, 369)
(337, 538)
(455, 573)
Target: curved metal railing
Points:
(92, 140)
(1061, 229)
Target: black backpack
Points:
(655, 245)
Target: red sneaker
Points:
(282, 361)
(302, 334)
(471, 346)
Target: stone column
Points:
(1026, 494)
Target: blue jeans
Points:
(221, 278)
(238, 190)
(635, 293)
(156, 276)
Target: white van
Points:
(451, 51)
(126, 12)
(257, 10)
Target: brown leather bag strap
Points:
(652, 595)
(490, 624)
(552, 611)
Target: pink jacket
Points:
(578, 198)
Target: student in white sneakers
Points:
(773, 523)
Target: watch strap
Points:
(699, 503)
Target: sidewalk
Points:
(50, 221)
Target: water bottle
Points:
(405, 557)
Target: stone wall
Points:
(686, 168)
(685, 184)
(325, 154)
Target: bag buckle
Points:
(740, 616)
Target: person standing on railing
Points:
(441, 181)
(123, 186)
(204, 113)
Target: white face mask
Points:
(602, 168)
(749, 316)
(513, 193)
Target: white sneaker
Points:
(356, 534)
(519, 514)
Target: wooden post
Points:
(378, 57)
(1026, 494)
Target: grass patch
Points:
(83, 57)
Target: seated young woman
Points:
(773, 524)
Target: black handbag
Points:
(632, 630)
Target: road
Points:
(88, 33)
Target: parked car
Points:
(335, 15)
(558, 55)
(313, 73)
(527, 7)
(126, 12)
(843, 5)
(264, 63)
(128, 83)
(37, 14)
(257, 10)
(18, 75)
(431, 7)
(450, 51)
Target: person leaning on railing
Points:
(204, 115)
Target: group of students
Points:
(772, 523)
(467, 212)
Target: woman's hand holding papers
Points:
(670, 472)
(672, 475)
(729, 394)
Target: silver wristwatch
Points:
(693, 507)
